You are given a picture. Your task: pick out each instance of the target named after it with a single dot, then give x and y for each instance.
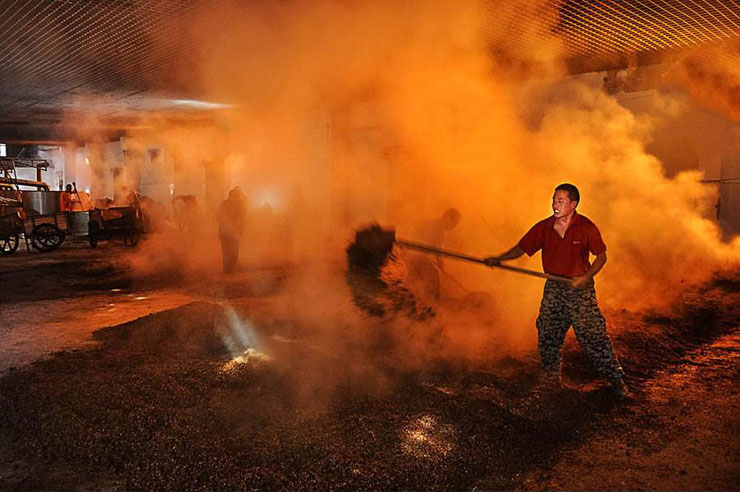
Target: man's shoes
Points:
(620, 389)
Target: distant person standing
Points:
(192, 217)
(127, 197)
(75, 201)
(231, 217)
(67, 199)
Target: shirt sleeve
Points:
(534, 239)
(595, 244)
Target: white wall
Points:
(696, 139)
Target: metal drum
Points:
(42, 202)
(80, 224)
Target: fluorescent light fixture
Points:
(193, 103)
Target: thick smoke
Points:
(350, 112)
(712, 75)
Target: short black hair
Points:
(573, 193)
(452, 214)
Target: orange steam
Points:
(347, 112)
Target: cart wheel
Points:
(46, 237)
(9, 244)
(131, 239)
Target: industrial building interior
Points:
(349, 335)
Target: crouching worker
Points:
(230, 216)
(566, 239)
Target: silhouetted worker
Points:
(69, 199)
(192, 217)
(566, 239)
(128, 197)
(231, 216)
(424, 270)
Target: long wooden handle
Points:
(79, 198)
(461, 256)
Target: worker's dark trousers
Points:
(563, 306)
(230, 252)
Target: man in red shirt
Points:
(567, 239)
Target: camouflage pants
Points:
(563, 306)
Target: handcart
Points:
(11, 228)
(46, 232)
(42, 232)
(115, 223)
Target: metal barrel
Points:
(42, 202)
(80, 223)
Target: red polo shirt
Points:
(566, 256)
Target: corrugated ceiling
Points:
(125, 51)
(605, 26)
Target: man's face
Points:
(561, 204)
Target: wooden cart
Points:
(42, 232)
(46, 232)
(115, 223)
(11, 228)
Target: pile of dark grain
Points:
(375, 286)
(151, 409)
(370, 250)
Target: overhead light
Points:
(199, 104)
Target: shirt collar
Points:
(576, 219)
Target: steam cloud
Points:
(350, 112)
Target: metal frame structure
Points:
(8, 165)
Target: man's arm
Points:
(596, 267)
(512, 254)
